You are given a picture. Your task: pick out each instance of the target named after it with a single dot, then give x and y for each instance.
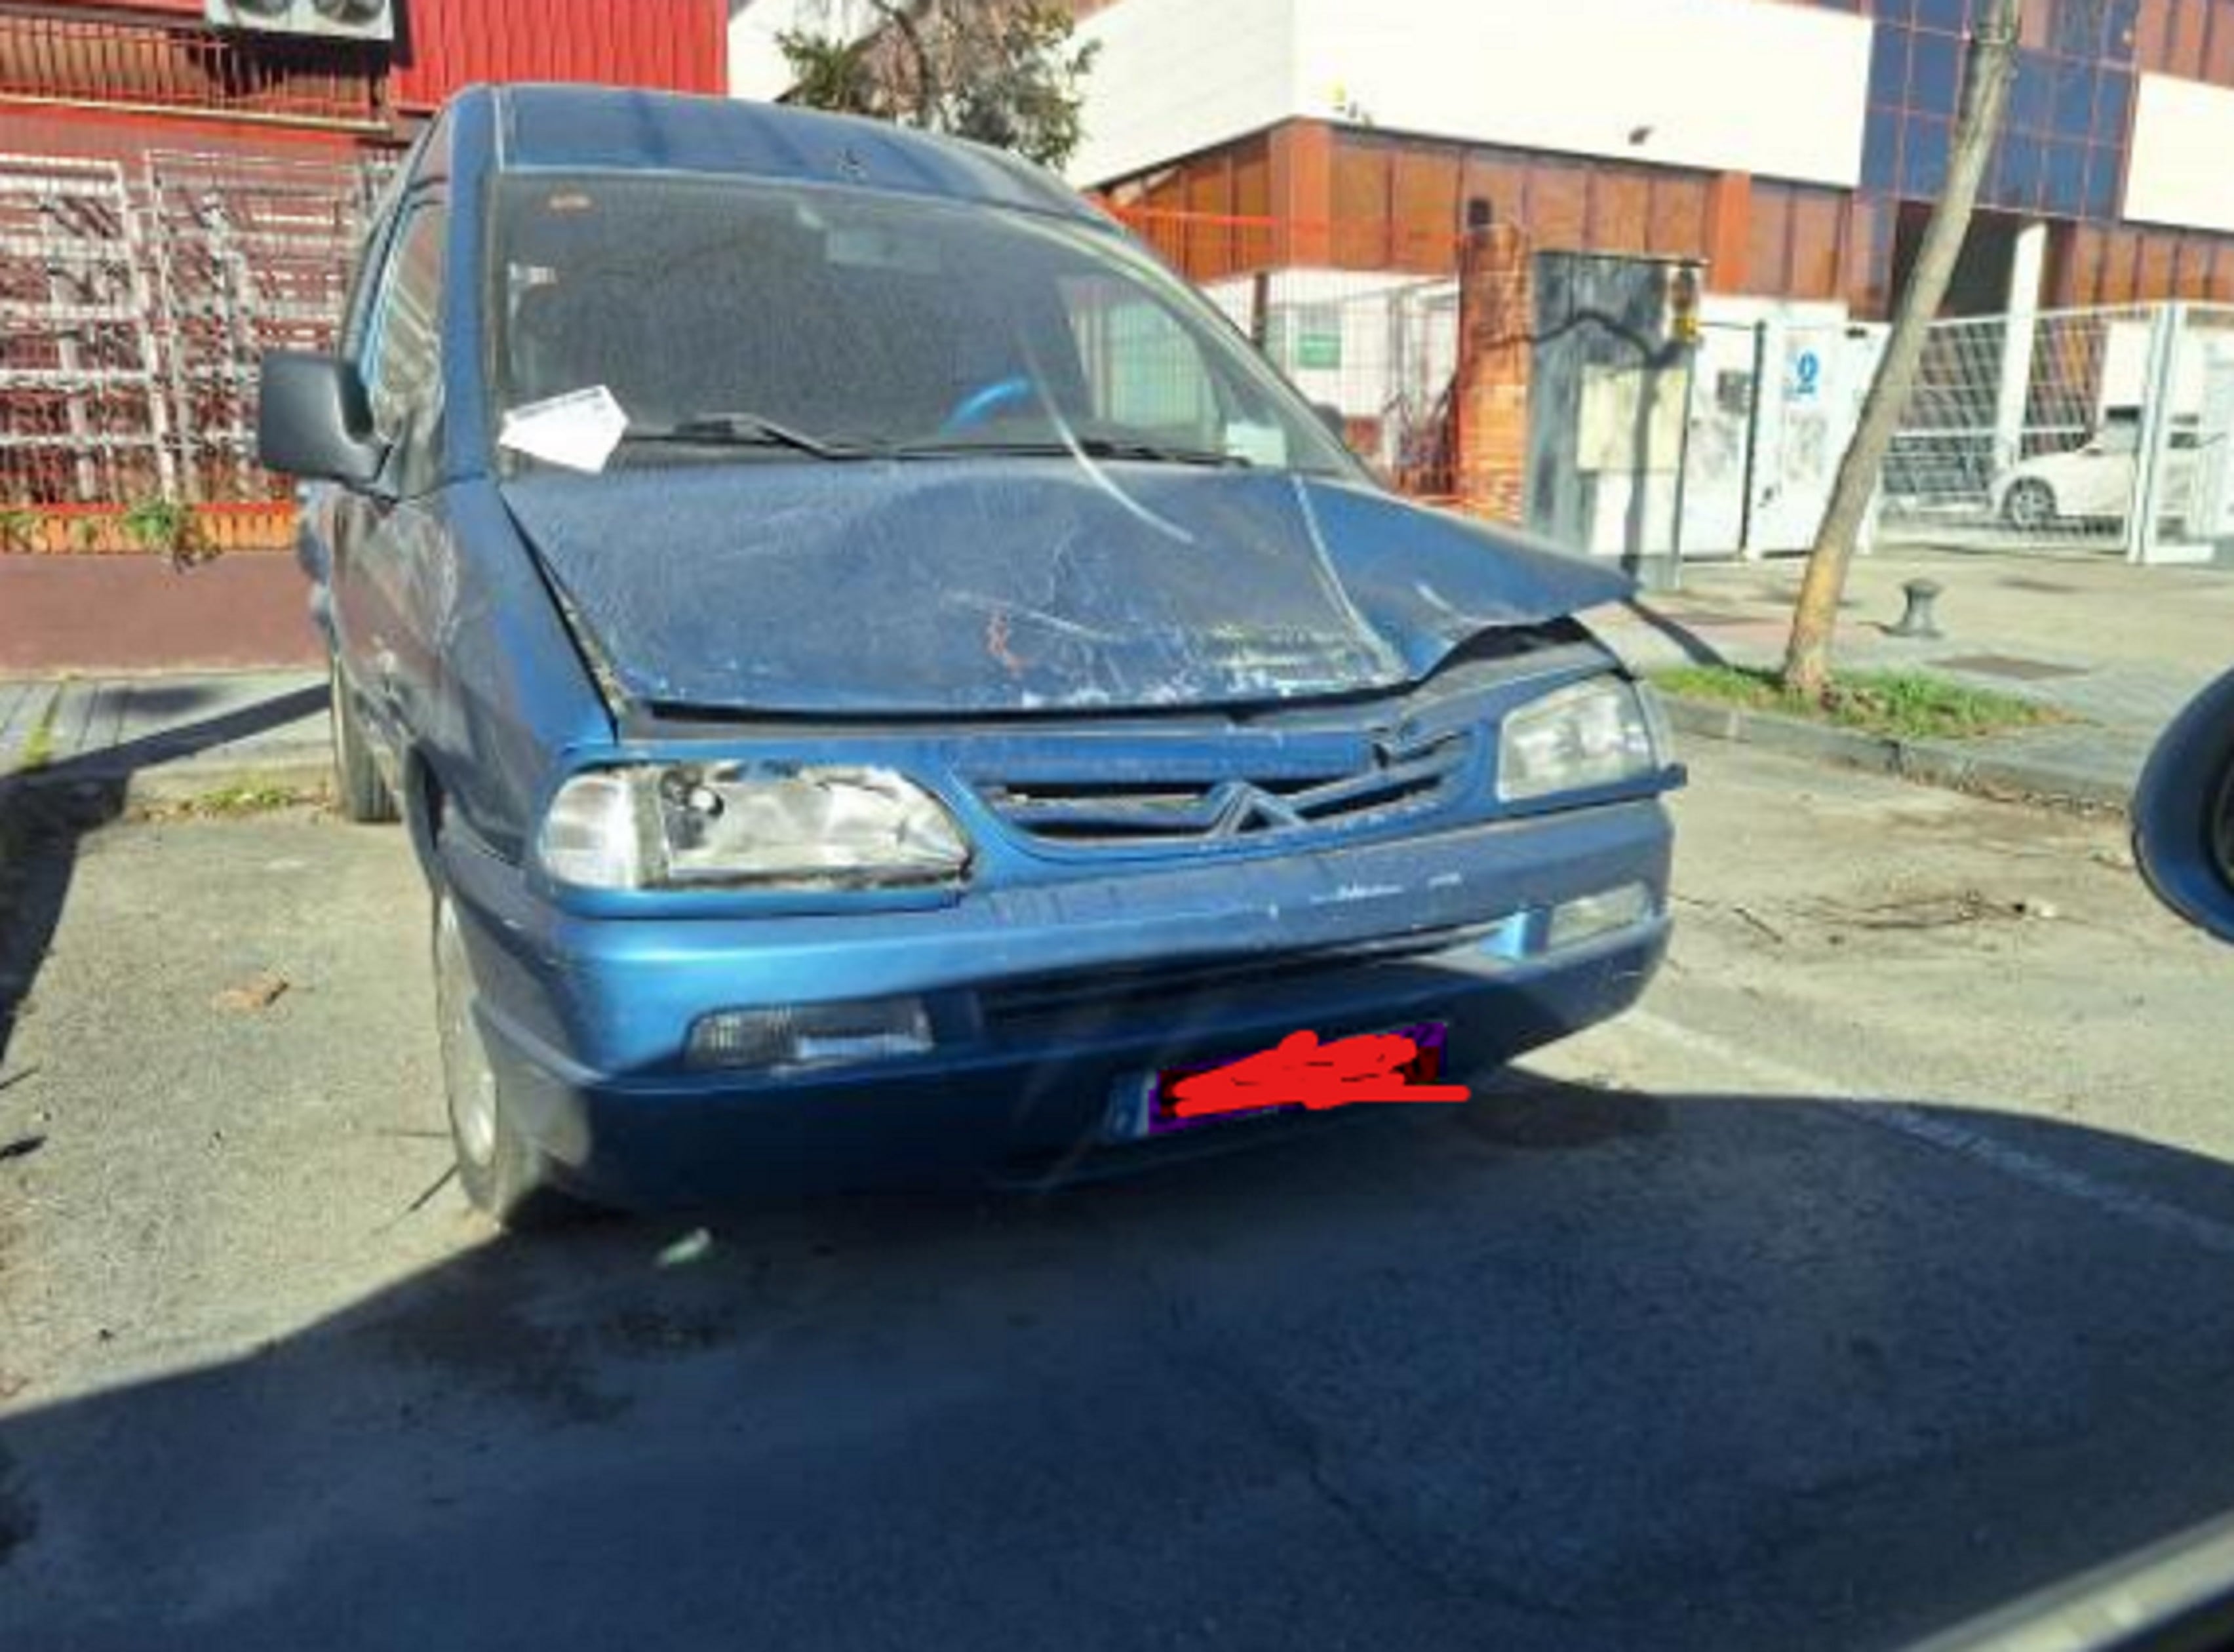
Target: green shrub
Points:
(166, 526)
(19, 529)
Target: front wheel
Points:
(2030, 506)
(501, 1171)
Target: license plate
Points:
(1157, 1114)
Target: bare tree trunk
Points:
(929, 93)
(1985, 97)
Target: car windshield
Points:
(813, 323)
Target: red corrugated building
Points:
(678, 44)
(104, 77)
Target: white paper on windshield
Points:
(1264, 445)
(579, 430)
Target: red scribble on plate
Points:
(1304, 1072)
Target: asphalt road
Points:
(1877, 1271)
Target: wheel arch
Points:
(2033, 486)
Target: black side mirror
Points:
(1333, 418)
(2184, 814)
(315, 420)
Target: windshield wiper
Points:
(748, 430)
(1092, 447)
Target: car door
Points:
(378, 534)
(2102, 475)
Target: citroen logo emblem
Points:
(1242, 808)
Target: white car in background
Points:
(2093, 483)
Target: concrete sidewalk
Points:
(165, 735)
(2117, 649)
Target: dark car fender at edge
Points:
(2181, 802)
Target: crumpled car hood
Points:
(1004, 585)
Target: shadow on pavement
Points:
(1567, 1369)
(45, 816)
(1696, 648)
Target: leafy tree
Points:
(1001, 72)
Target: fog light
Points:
(801, 1035)
(1577, 921)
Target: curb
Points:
(1928, 762)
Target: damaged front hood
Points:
(1002, 586)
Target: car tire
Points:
(501, 1171)
(2029, 506)
(359, 792)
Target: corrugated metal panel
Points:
(675, 45)
(159, 65)
(171, 7)
(678, 45)
(128, 135)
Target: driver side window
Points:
(402, 359)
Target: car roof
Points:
(586, 129)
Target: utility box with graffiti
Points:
(1609, 381)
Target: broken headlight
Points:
(1579, 738)
(768, 825)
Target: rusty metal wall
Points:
(160, 64)
(163, 56)
(166, 8)
(676, 45)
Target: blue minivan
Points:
(880, 674)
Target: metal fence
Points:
(1380, 351)
(1379, 345)
(137, 300)
(2102, 430)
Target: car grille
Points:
(1392, 783)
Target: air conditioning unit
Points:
(327, 19)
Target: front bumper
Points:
(1048, 1001)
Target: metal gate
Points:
(135, 304)
(82, 412)
(2101, 431)
(1383, 350)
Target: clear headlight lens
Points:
(748, 824)
(1593, 733)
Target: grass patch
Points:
(240, 802)
(1897, 705)
(38, 750)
